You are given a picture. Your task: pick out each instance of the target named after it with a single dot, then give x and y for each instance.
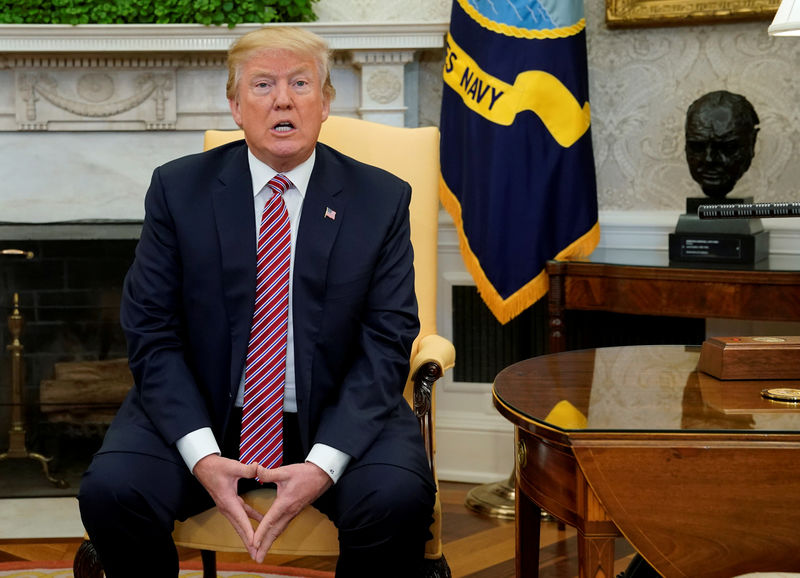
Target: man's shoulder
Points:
(334, 159)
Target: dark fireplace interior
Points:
(68, 279)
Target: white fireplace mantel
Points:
(87, 112)
(149, 77)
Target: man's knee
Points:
(119, 487)
(382, 499)
(101, 494)
(128, 504)
(384, 515)
(404, 497)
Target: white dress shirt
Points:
(200, 443)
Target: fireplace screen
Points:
(64, 370)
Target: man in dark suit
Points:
(351, 445)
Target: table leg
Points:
(528, 530)
(596, 556)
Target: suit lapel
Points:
(233, 209)
(323, 212)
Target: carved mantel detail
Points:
(382, 84)
(81, 98)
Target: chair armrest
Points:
(434, 356)
(434, 348)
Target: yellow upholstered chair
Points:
(413, 155)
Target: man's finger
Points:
(252, 512)
(269, 530)
(240, 520)
(261, 553)
(271, 526)
(269, 475)
(250, 471)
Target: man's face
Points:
(280, 106)
(718, 149)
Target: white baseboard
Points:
(473, 447)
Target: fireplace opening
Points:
(60, 287)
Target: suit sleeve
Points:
(371, 392)
(151, 317)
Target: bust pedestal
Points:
(729, 241)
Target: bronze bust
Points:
(721, 129)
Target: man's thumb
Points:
(251, 470)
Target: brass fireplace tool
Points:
(16, 435)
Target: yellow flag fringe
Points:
(505, 310)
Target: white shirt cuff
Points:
(196, 445)
(332, 461)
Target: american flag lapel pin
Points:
(330, 213)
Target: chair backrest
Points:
(413, 155)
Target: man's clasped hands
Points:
(298, 485)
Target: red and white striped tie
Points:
(262, 414)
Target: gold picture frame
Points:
(632, 13)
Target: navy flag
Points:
(516, 151)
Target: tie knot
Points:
(279, 184)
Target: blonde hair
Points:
(290, 38)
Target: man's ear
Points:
(326, 108)
(236, 112)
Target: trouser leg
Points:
(383, 513)
(128, 505)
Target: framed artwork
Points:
(631, 13)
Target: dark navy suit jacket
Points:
(188, 302)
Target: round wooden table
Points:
(699, 475)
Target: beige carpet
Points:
(61, 569)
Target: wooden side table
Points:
(645, 283)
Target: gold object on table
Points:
(785, 394)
